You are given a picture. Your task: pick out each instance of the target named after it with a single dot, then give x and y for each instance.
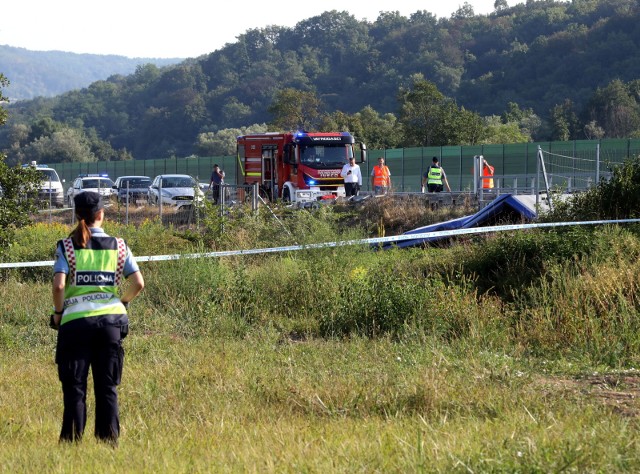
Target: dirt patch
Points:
(619, 391)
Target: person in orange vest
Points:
(487, 170)
(380, 178)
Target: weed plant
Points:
(511, 353)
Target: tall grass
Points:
(345, 359)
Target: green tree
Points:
(421, 109)
(499, 132)
(429, 118)
(368, 126)
(294, 109)
(565, 124)
(63, 146)
(16, 184)
(223, 142)
(616, 109)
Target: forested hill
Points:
(49, 73)
(560, 70)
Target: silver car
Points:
(98, 183)
(175, 190)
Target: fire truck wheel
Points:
(286, 195)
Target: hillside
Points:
(49, 73)
(558, 70)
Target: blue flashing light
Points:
(312, 182)
(93, 175)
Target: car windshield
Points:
(97, 183)
(135, 183)
(49, 175)
(178, 182)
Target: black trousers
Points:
(215, 192)
(83, 345)
(435, 188)
(351, 189)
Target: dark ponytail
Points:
(87, 204)
(81, 234)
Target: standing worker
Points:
(434, 178)
(380, 178)
(91, 319)
(217, 178)
(487, 170)
(352, 177)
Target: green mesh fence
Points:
(515, 164)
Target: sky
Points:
(178, 29)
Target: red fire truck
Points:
(298, 167)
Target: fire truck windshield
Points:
(326, 156)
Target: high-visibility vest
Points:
(435, 175)
(94, 275)
(381, 175)
(487, 183)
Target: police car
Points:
(99, 183)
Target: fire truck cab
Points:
(296, 167)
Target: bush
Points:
(616, 198)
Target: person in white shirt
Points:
(352, 177)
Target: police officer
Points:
(434, 177)
(91, 318)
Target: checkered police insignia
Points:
(122, 256)
(71, 257)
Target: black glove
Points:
(52, 322)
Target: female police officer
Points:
(91, 319)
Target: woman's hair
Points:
(87, 205)
(81, 234)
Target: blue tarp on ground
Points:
(504, 208)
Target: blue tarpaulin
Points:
(504, 208)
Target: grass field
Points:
(515, 353)
(268, 405)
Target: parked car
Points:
(175, 190)
(137, 188)
(50, 189)
(99, 183)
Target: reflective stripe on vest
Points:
(94, 275)
(380, 176)
(435, 175)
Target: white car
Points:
(175, 190)
(50, 189)
(91, 182)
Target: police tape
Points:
(371, 241)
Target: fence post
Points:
(160, 199)
(597, 163)
(254, 197)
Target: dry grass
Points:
(393, 215)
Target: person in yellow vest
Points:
(91, 318)
(434, 178)
(380, 178)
